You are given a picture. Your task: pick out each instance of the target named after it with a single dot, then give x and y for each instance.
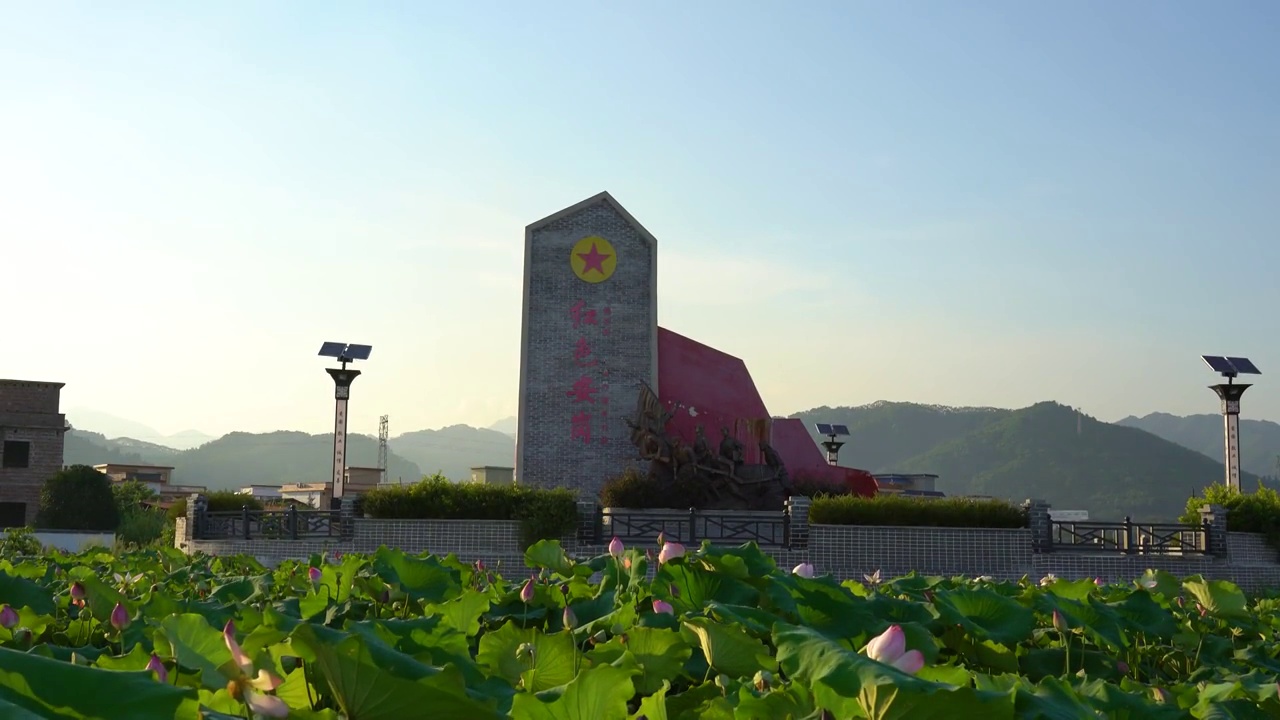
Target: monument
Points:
(602, 387)
(588, 343)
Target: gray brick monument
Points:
(589, 338)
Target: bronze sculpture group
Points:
(719, 480)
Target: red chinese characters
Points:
(589, 392)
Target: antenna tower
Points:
(383, 434)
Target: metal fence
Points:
(692, 526)
(1130, 538)
(247, 524)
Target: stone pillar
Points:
(1214, 520)
(588, 523)
(195, 518)
(347, 514)
(797, 510)
(1040, 524)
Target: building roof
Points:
(125, 466)
(43, 383)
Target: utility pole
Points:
(383, 434)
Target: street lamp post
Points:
(832, 445)
(1230, 394)
(342, 379)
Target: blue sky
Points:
(960, 203)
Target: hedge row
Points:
(909, 511)
(1254, 512)
(637, 491)
(543, 514)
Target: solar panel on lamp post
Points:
(832, 446)
(1230, 393)
(342, 379)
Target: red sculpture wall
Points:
(703, 386)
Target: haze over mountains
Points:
(1144, 467)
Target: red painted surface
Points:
(719, 390)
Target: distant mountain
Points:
(506, 426)
(117, 427)
(1259, 439)
(1046, 451)
(884, 434)
(240, 459)
(454, 450)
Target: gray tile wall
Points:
(848, 552)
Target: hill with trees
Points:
(1259, 439)
(239, 459)
(1047, 451)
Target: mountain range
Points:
(1144, 467)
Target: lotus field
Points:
(717, 633)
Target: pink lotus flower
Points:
(8, 617)
(615, 546)
(660, 606)
(78, 594)
(526, 592)
(253, 688)
(804, 570)
(156, 666)
(670, 551)
(1099, 582)
(119, 617)
(314, 573)
(890, 648)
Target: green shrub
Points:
(141, 526)
(543, 514)
(19, 541)
(77, 498)
(1254, 512)
(217, 501)
(909, 511)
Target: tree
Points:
(77, 498)
(139, 523)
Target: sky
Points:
(980, 203)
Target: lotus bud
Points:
(8, 617)
(1122, 667)
(1161, 695)
(156, 666)
(763, 680)
(119, 617)
(660, 606)
(77, 592)
(526, 592)
(670, 551)
(662, 539)
(526, 652)
(1099, 582)
(804, 570)
(314, 574)
(599, 637)
(570, 620)
(1059, 622)
(615, 546)
(890, 648)
(564, 589)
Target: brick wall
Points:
(621, 343)
(848, 552)
(29, 413)
(22, 396)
